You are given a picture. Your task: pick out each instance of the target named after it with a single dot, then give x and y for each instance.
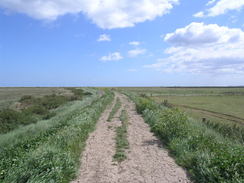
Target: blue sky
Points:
(120, 43)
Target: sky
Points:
(121, 43)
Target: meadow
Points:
(210, 150)
(43, 130)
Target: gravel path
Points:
(147, 161)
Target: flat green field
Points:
(215, 104)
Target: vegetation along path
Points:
(146, 160)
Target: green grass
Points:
(114, 109)
(184, 91)
(31, 109)
(121, 138)
(206, 154)
(227, 104)
(10, 95)
(49, 150)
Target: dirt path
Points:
(147, 161)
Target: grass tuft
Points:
(121, 138)
(114, 110)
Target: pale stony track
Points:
(147, 161)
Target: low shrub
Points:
(11, 119)
(33, 109)
(144, 103)
(52, 101)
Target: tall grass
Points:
(233, 131)
(206, 154)
(49, 151)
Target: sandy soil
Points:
(147, 161)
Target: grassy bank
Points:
(205, 153)
(49, 150)
(30, 109)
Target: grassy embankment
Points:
(121, 138)
(114, 109)
(49, 150)
(205, 153)
(31, 109)
(221, 109)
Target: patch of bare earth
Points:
(147, 161)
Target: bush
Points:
(145, 103)
(36, 109)
(26, 98)
(32, 110)
(10, 119)
(52, 101)
(174, 125)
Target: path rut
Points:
(147, 161)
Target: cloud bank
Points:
(201, 48)
(106, 14)
(220, 7)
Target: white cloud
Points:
(199, 14)
(221, 7)
(106, 14)
(112, 57)
(200, 48)
(136, 52)
(134, 43)
(211, 2)
(199, 34)
(132, 70)
(104, 37)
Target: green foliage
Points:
(208, 156)
(121, 138)
(78, 93)
(52, 101)
(233, 131)
(49, 151)
(33, 109)
(171, 118)
(10, 119)
(114, 109)
(145, 103)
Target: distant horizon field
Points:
(219, 104)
